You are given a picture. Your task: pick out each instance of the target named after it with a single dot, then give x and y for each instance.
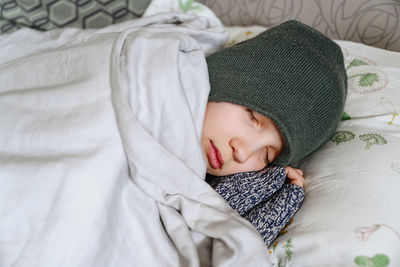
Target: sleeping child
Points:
(274, 100)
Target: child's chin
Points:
(212, 171)
(219, 172)
(215, 172)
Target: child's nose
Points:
(242, 150)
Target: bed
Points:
(78, 146)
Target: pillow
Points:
(350, 214)
(48, 14)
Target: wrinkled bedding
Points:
(100, 159)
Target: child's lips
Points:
(214, 156)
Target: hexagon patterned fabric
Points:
(51, 14)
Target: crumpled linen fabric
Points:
(100, 156)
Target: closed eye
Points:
(251, 114)
(266, 157)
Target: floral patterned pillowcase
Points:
(350, 214)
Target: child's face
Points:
(236, 139)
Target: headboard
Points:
(373, 22)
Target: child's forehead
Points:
(259, 115)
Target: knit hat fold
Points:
(291, 73)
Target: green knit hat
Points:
(291, 73)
